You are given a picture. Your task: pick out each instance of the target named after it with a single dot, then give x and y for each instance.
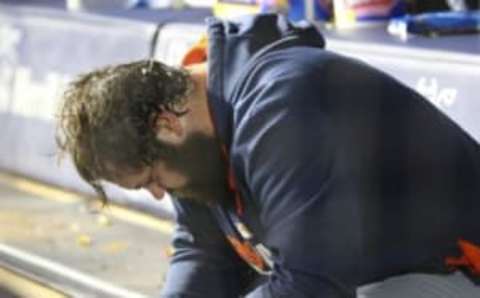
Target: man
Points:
(320, 172)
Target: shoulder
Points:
(301, 69)
(291, 63)
(292, 80)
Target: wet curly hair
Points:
(105, 117)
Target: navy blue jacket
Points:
(346, 175)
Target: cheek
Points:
(170, 177)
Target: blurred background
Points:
(56, 240)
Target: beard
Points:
(200, 160)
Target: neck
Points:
(200, 116)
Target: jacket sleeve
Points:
(287, 152)
(203, 264)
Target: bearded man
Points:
(319, 172)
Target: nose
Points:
(156, 190)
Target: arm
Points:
(289, 149)
(313, 227)
(203, 264)
(347, 167)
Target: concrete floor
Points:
(110, 244)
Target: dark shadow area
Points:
(7, 293)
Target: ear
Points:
(169, 128)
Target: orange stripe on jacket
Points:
(247, 253)
(469, 259)
(197, 53)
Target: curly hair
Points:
(105, 117)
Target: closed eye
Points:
(144, 184)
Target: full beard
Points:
(200, 160)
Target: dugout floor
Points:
(71, 247)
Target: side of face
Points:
(191, 168)
(147, 178)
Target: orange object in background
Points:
(197, 53)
